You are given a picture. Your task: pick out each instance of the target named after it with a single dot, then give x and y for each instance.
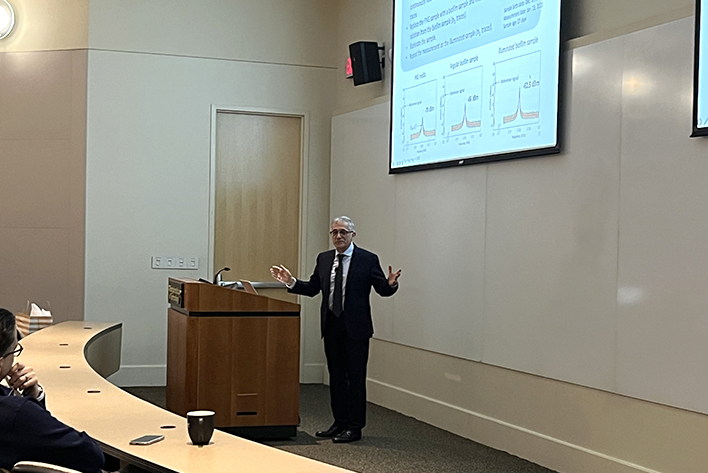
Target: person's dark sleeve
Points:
(308, 288)
(379, 280)
(46, 439)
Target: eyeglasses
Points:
(16, 352)
(340, 232)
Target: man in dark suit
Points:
(28, 432)
(345, 277)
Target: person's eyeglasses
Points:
(16, 352)
(340, 232)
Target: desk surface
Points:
(80, 397)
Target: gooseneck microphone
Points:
(217, 276)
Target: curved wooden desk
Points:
(83, 399)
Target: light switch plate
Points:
(175, 262)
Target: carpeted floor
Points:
(392, 442)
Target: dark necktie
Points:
(337, 302)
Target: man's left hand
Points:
(393, 277)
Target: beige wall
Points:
(365, 20)
(43, 154)
(370, 20)
(42, 25)
(565, 427)
(42, 183)
(262, 31)
(613, 17)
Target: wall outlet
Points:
(175, 262)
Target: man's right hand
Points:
(24, 379)
(282, 274)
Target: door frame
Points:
(304, 149)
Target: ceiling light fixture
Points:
(7, 18)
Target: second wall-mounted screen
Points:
(473, 81)
(700, 69)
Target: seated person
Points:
(28, 432)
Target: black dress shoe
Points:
(331, 432)
(347, 436)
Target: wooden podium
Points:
(235, 353)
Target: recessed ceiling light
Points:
(7, 18)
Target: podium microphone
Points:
(217, 276)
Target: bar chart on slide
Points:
(418, 114)
(462, 102)
(517, 91)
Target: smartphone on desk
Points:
(147, 440)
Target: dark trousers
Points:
(346, 362)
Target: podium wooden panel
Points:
(235, 353)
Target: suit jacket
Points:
(28, 432)
(364, 273)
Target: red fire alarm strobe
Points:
(348, 69)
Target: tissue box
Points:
(37, 319)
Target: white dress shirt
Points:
(346, 261)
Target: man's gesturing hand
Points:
(393, 277)
(282, 274)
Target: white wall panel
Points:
(440, 221)
(433, 229)
(552, 238)
(662, 336)
(148, 177)
(362, 189)
(587, 267)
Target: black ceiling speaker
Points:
(366, 63)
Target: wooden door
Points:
(257, 194)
